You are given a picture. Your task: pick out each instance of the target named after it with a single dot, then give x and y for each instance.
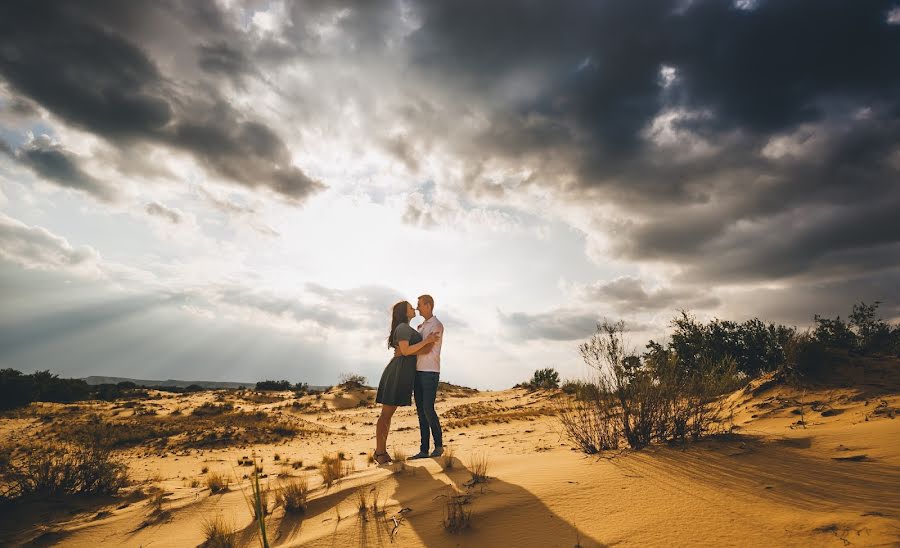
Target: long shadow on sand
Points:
(779, 470)
(503, 514)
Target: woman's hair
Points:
(398, 316)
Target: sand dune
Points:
(818, 466)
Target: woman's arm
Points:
(407, 349)
(424, 350)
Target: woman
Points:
(396, 386)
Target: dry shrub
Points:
(212, 409)
(456, 517)
(180, 432)
(505, 415)
(292, 495)
(662, 398)
(65, 469)
(218, 533)
(589, 424)
(217, 482)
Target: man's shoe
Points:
(438, 451)
(419, 455)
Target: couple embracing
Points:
(415, 369)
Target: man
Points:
(428, 372)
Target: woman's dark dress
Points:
(396, 384)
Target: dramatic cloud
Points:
(628, 296)
(56, 165)
(707, 124)
(626, 158)
(79, 64)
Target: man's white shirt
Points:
(432, 360)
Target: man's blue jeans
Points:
(425, 392)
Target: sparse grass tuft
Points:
(156, 501)
(204, 470)
(218, 533)
(447, 458)
(399, 457)
(456, 517)
(478, 467)
(292, 496)
(332, 469)
(217, 482)
(362, 503)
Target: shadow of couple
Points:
(501, 513)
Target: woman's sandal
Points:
(382, 458)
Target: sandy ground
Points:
(834, 481)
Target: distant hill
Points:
(95, 379)
(170, 382)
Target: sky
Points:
(240, 190)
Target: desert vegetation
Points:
(547, 379)
(673, 392)
(53, 470)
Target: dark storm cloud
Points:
(628, 295)
(74, 61)
(575, 89)
(223, 59)
(55, 164)
(557, 325)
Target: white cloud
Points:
(36, 247)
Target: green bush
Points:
(546, 378)
(280, 386)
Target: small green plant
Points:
(258, 504)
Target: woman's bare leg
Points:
(383, 427)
